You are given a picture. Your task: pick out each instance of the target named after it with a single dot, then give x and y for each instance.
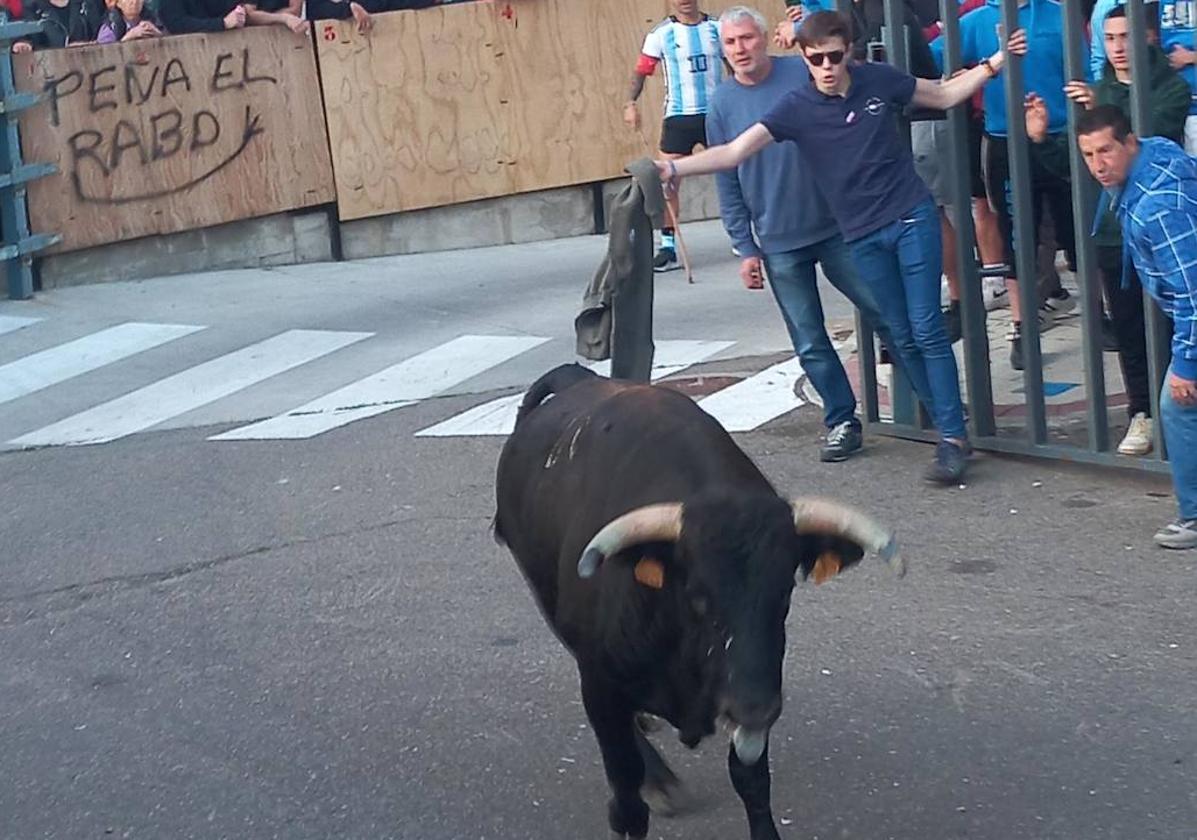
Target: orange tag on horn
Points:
(826, 567)
(650, 572)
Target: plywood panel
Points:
(487, 99)
(567, 123)
(414, 111)
(173, 134)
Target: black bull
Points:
(664, 560)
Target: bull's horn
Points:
(651, 523)
(823, 516)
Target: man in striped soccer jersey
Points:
(686, 44)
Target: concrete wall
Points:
(307, 236)
(282, 239)
(528, 217)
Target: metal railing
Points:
(1032, 438)
(19, 245)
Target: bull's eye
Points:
(700, 605)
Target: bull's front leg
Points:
(752, 782)
(613, 719)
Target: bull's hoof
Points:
(668, 799)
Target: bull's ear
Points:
(825, 557)
(650, 571)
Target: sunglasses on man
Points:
(833, 57)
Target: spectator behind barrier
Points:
(1169, 98)
(127, 23)
(68, 23)
(1152, 186)
(1043, 73)
(183, 16)
(1177, 22)
(360, 10)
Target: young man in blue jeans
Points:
(778, 221)
(844, 123)
(1152, 186)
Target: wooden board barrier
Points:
(478, 100)
(158, 136)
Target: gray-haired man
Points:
(779, 223)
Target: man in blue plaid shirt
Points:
(1152, 185)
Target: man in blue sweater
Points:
(780, 224)
(1152, 186)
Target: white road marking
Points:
(58, 364)
(758, 399)
(420, 377)
(197, 386)
(497, 417)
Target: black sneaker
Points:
(841, 442)
(1016, 350)
(666, 260)
(948, 466)
(951, 322)
(1109, 340)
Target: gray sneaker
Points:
(1179, 534)
(841, 442)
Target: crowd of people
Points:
(848, 196)
(77, 22)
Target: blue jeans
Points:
(1180, 434)
(793, 281)
(903, 263)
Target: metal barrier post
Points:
(1021, 207)
(1159, 349)
(1084, 202)
(18, 245)
(906, 407)
(976, 342)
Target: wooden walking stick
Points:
(673, 220)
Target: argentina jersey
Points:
(692, 57)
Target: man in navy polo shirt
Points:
(844, 123)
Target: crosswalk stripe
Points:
(9, 323)
(497, 417)
(58, 364)
(758, 399)
(420, 377)
(192, 388)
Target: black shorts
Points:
(679, 135)
(976, 173)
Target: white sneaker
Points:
(993, 292)
(1138, 436)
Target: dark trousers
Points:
(1048, 192)
(1130, 328)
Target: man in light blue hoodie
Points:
(1178, 38)
(1043, 74)
(1152, 186)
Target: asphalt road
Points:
(322, 640)
(319, 638)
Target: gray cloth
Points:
(616, 321)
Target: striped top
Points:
(692, 56)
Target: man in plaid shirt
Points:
(1152, 185)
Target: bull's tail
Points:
(554, 382)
